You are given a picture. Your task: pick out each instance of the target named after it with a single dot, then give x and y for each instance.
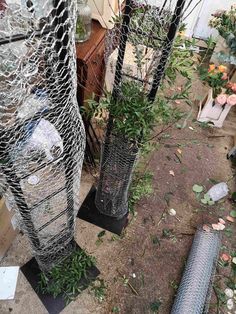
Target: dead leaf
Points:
(179, 151)
(171, 172)
(206, 228)
(216, 227)
(221, 226)
(230, 219)
(225, 257)
(221, 221)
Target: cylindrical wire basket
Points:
(117, 164)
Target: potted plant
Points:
(225, 23)
(221, 97)
(133, 118)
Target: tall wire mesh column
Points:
(42, 135)
(120, 153)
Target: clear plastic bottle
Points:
(83, 23)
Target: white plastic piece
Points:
(230, 304)
(218, 191)
(215, 114)
(172, 212)
(229, 293)
(8, 279)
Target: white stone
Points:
(234, 260)
(172, 212)
(230, 304)
(229, 293)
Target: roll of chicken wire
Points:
(195, 288)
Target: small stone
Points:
(172, 212)
(216, 227)
(234, 260)
(229, 293)
(134, 275)
(230, 304)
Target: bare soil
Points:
(152, 262)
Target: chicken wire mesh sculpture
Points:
(138, 49)
(42, 135)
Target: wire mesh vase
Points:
(119, 156)
(42, 137)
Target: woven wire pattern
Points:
(144, 34)
(193, 294)
(42, 135)
(116, 170)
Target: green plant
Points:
(115, 309)
(215, 77)
(99, 289)
(225, 22)
(141, 186)
(64, 278)
(181, 61)
(155, 306)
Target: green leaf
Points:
(233, 213)
(101, 234)
(197, 188)
(204, 201)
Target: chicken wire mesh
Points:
(138, 48)
(194, 292)
(42, 135)
(116, 174)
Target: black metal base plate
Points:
(53, 305)
(90, 213)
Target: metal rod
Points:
(166, 50)
(19, 37)
(122, 47)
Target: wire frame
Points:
(42, 135)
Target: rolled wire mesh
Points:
(194, 291)
(42, 134)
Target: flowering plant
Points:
(224, 99)
(225, 23)
(216, 77)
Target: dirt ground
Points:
(152, 262)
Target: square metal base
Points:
(53, 305)
(89, 212)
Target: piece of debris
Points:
(234, 260)
(8, 279)
(230, 304)
(221, 221)
(172, 212)
(206, 228)
(230, 219)
(218, 227)
(218, 191)
(179, 151)
(191, 128)
(171, 172)
(229, 293)
(225, 257)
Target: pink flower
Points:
(231, 100)
(221, 99)
(224, 76)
